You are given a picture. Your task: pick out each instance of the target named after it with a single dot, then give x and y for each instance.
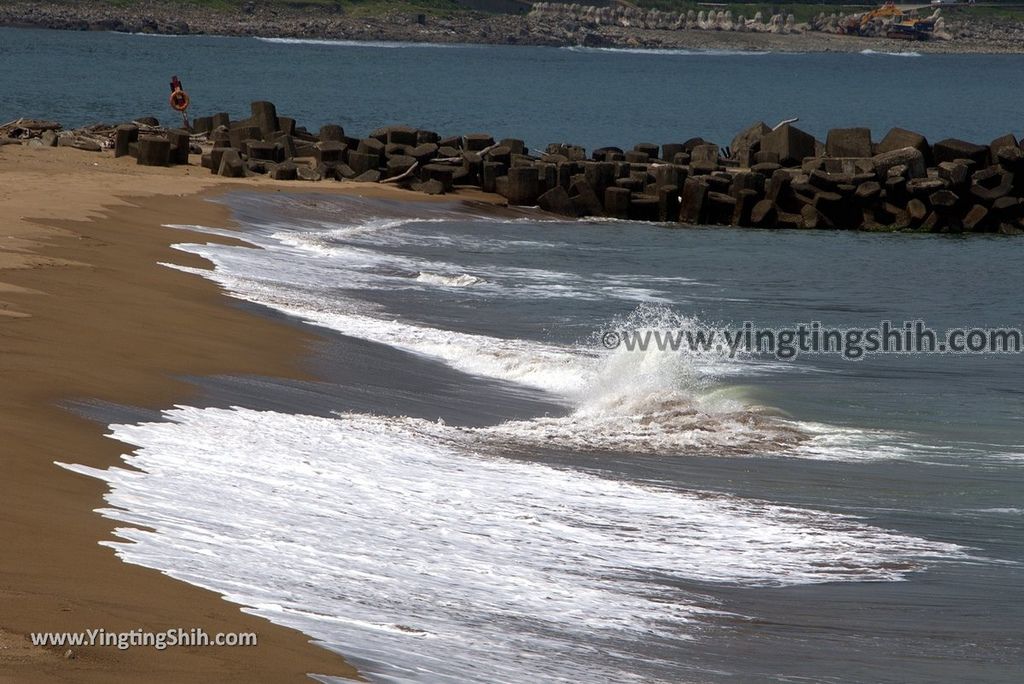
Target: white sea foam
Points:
(681, 52)
(363, 43)
(459, 280)
(395, 541)
(656, 401)
(904, 53)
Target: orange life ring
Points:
(179, 100)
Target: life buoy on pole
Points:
(179, 100)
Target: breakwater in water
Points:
(767, 177)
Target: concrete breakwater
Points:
(767, 177)
(635, 17)
(714, 20)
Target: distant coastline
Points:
(971, 34)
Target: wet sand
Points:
(87, 312)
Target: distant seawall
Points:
(545, 24)
(767, 177)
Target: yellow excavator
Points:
(890, 21)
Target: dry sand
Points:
(87, 312)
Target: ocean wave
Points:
(401, 544)
(905, 53)
(680, 52)
(657, 401)
(364, 43)
(460, 280)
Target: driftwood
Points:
(404, 174)
(27, 128)
(449, 160)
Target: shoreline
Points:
(973, 34)
(88, 313)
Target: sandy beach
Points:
(87, 313)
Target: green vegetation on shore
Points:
(357, 8)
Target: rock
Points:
(215, 157)
(704, 153)
(442, 173)
(489, 175)
(952, 149)
(848, 142)
(954, 173)
(747, 180)
(1003, 141)
(670, 150)
(240, 132)
(693, 206)
(284, 171)
(307, 173)
(917, 210)
(557, 201)
(976, 218)
(523, 185)
(747, 143)
(650, 149)
(331, 133)
(475, 142)
(943, 201)
(1011, 160)
(616, 202)
(766, 168)
(746, 200)
(584, 199)
(911, 157)
(432, 187)
(608, 154)
(85, 145)
(867, 193)
(124, 135)
(49, 139)
(899, 138)
(763, 214)
(154, 151)
(423, 152)
(202, 124)
(788, 145)
(286, 125)
(264, 115)
(924, 187)
(371, 176)
(668, 203)
(403, 135)
(599, 175)
(1008, 208)
(988, 195)
(259, 166)
(330, 152)
(643, 208)
(181, 145)
(362, 162)
(812, 219)
(231, 165)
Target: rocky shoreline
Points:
(963, 33)
(767, 177)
